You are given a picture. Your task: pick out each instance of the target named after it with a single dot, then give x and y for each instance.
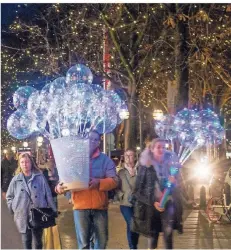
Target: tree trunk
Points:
(130, 134)
(181, 61)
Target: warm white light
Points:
(124, 114)
(5, 151)
(39, 144)
(13, 148)
(137, 148)
(158, 114)
(202, 171)
(40, 139)
(25, 144)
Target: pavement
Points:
(199, 233)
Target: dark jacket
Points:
(7, 172)
(147, 220)
(52, 182)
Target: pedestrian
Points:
(8, 167)
(149, 218)
(51, 236)
(127, 178)
(51, 174)
(91, 205)
(27, 186)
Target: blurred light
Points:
(202, 171)
(13, 149)
(40, 139)
(39, 144)
(167, 145)
(124, 114)
(25, 144)
(5, 151)
(158, 114)
(137, 148)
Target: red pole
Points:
(106, 57)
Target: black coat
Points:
(146, 219)
(7, 172)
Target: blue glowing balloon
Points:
(184, 118)
(209, 118)
(186, 136)
(21, 96)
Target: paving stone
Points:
(199, 233)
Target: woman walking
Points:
(28, 186)
(154, 173)
(127, 177)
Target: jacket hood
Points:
(147, 160)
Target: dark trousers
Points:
(132, 237)
(167, 221)
(34, 235)
(178, 204)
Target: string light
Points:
(154, 72)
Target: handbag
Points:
(41, 217)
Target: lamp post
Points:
(124, 114)
(13, 148)
(25, 144)
(157, 114)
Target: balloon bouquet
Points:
(65, 111)
(192, 130)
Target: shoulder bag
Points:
(41, 217)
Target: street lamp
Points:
(13, 148)
(40, 139)
(157, 114)
(124, 114)
(25, 144)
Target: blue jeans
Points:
(35, 235)
(90, 222)
(132, 237)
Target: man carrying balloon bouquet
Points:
(91, 205)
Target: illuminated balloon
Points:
(67, 106)
(19, 124)
(21, 96)
(79, 74)
(186, 136)
(33, 101)
(106, 125)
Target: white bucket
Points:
(72, 161)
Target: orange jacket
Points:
(103, 168)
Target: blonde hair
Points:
(146, 156)
(34, 167)
(154, 141)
